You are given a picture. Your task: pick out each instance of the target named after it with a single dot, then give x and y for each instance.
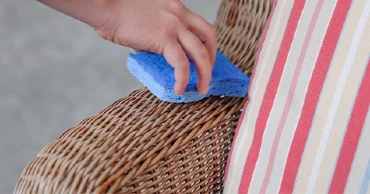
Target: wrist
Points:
(95, 13)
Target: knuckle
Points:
(206, 76)
(156, 47)
(172, 20)
(213, 32)
(203, 52)
(204, 79)
(167, 33)
(182, 82)
(183, 64)
(177, 6)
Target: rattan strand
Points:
(140, 144)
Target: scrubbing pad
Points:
(158, 76)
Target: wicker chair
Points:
(140, 144)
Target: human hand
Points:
(165, 27)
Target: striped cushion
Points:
(306, 127)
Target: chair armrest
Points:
(139, 144)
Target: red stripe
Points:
(270, 95)
(354, 129)
(313, 94)
(263, 38)
(290, 96)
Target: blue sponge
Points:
(158, 76)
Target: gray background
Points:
(55, 71)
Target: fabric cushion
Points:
(306, 126)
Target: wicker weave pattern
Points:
(239, 25)
(142, 145)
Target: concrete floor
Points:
(55, 71)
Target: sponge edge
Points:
(158, 76)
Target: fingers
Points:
(205, 32)
(197, 39)
(176, 57)
(198, 25)
(198, 53)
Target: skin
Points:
(165, 27)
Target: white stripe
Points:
(234, 163)
(277, 108)
(295, 109)
(337, 97)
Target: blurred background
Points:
(54, 72)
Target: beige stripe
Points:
(361, 159)
(238, 158)
(242, 144)
(281, 96)
(299, 95)
(326, 98)
(343, 113)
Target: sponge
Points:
(158, 76)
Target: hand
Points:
(165, 27)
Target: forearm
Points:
(160, 26)
(91, 12)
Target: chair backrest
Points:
(239, 25)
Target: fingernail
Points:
(206, 90)
(203, 90)
(178, 89)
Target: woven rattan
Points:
(140, 144)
